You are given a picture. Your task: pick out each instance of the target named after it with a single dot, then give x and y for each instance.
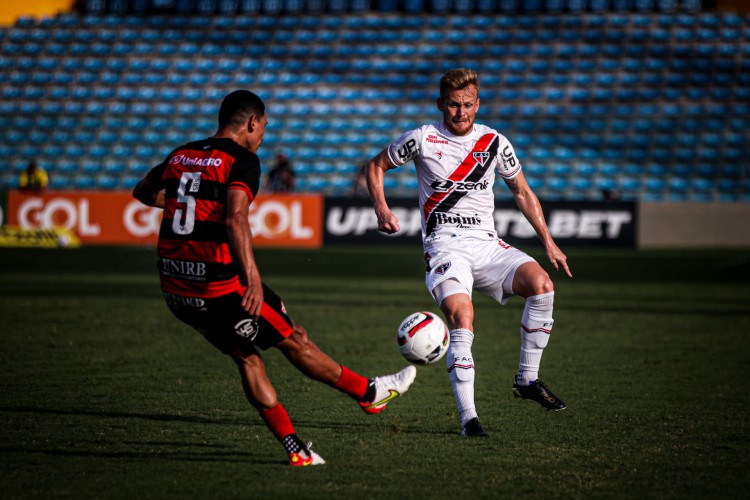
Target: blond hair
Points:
(457, 79)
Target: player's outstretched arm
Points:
(241, 243)
(375, 174)
(530, 207)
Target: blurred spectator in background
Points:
(360, 183)
(281, 177)
(34, 178)
(611, 195)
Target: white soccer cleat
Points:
(305, 457)
(388, 388)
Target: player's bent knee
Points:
(248, 362)
(546, 285)
(300, 334)
(298, 343)
(530, 279)
(540, 284)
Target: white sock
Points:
(536, 326)
(461, 370)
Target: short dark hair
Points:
(237, 107)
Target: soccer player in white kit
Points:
(456, 161)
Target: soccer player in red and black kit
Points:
(210, 279)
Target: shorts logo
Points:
(182, 301)
(442, 268)
(247, 328)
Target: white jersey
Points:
(456, 175)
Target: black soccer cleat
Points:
(537, 391)
(474, 429)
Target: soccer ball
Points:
(422, 338)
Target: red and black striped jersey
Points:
(194, 254)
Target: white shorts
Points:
(485, 265)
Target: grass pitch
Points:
(104, 394)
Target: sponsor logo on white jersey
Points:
(407, 150)
(457, 220)
(447, 185)
(509, 158)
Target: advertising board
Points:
(115, 218)
(572, 224)
(309, 220)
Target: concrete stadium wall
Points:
(694, 225)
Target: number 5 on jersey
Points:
(190, 182)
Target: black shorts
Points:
(225, 324)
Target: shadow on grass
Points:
(161, 417)
(111, 414)
(177, 456)
(178, 451)
(394, 428)
(170, 450)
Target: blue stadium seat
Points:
(701, 184)
(582, 183)
(678, 185)
(107, 182)
(60, 182)
(586, 170)
(631, 184)
(84, 182)
(409, 183)
(535, 182)
(115, 168)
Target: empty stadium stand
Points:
(651, 103)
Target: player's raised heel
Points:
(305, 457)
(474, 429)
(538, 391)
(388, 388)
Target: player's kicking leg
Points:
(373, 395)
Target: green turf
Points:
(104, 395)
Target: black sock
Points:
(292, 444)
